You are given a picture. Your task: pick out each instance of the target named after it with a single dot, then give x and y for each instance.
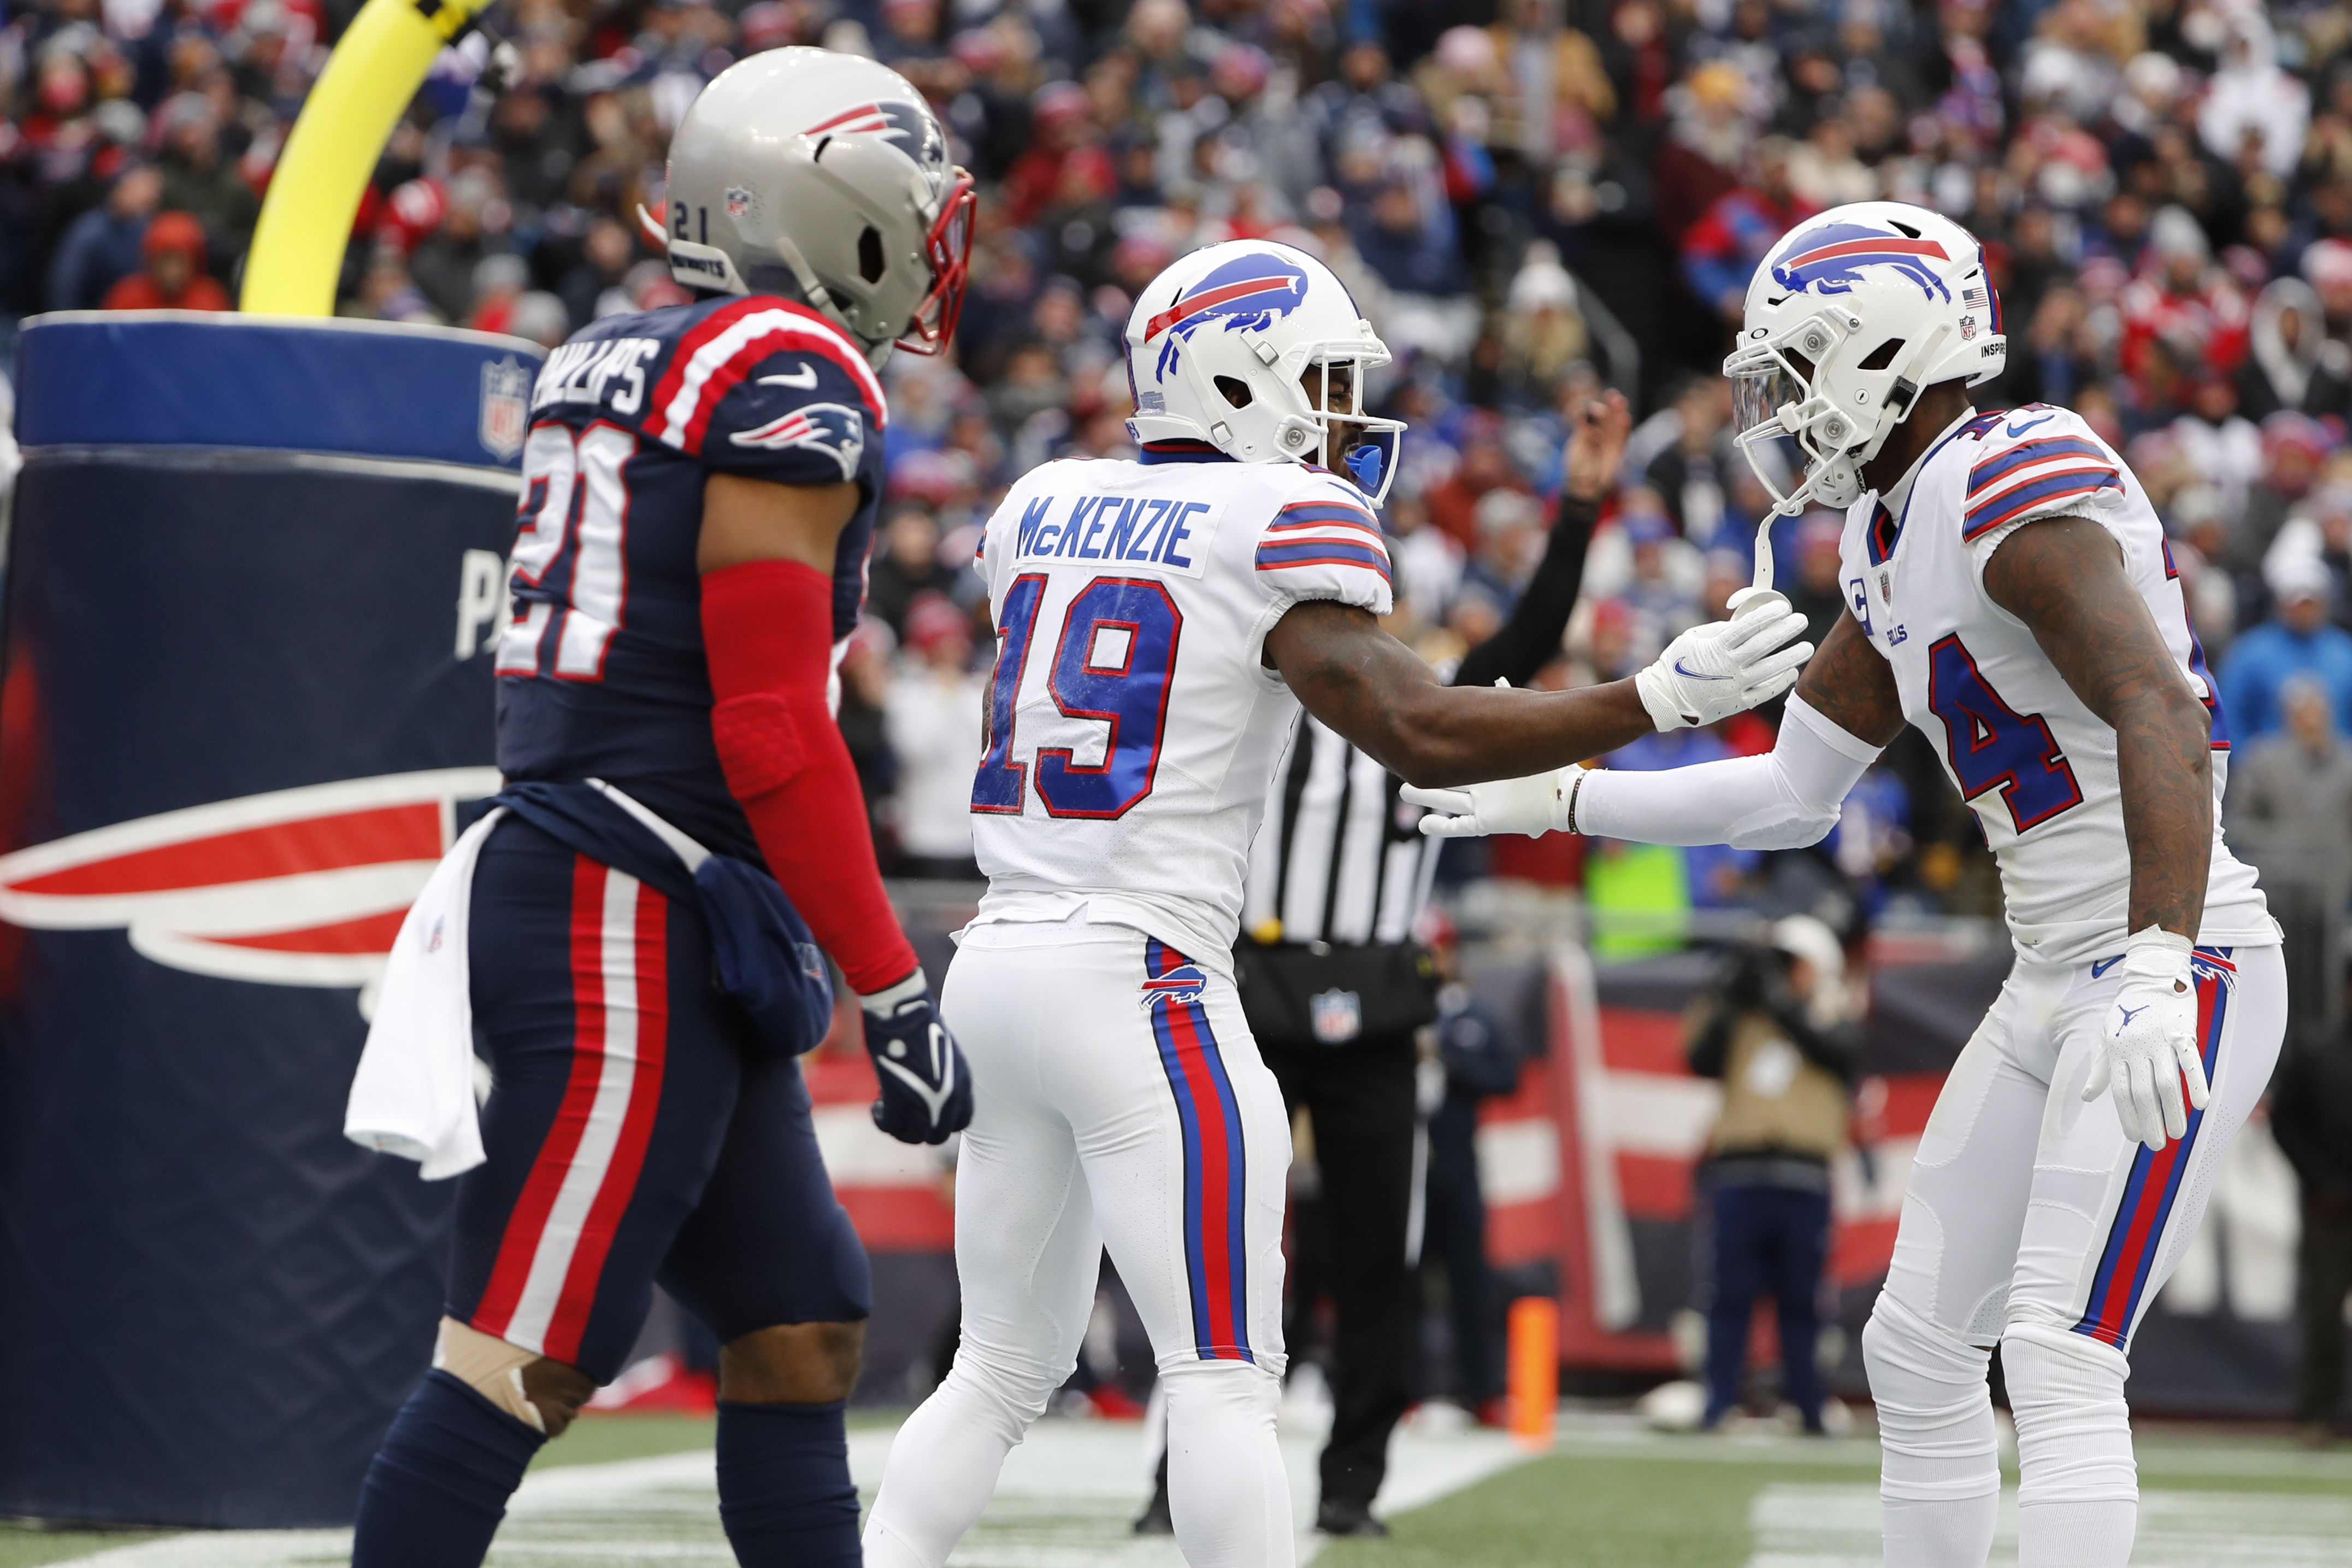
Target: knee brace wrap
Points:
(2074, 1429)
(490, 1367)
(1935, 1412)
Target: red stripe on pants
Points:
(1216, 1175)
(528, 1223)
(651, 961)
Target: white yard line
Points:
(1066, 1498)
(1837, 1527)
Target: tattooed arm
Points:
(1851, 686)
(2064, 579)
(1377, 693)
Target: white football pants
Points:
(2031, 1221)
(1120, 1101)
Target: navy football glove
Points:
(926, 1088)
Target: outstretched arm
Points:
(1844, 712)
(2064, 578)
(1379, 694)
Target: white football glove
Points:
(1535, 805)
(2151, 1041)
(1713, 671)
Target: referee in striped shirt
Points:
(1334, 989)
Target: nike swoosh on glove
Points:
(2151, 1048)
(1535, 805)
(1712, 671)
(926, 1088)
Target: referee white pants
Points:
(2032, 1222)
(1119, 1102)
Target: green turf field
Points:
(624, 1490)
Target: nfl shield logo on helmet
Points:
(738, 201)
(506, 408)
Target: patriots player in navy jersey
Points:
(699, 491)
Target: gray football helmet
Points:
(831, 171)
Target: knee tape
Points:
(2074, 1429)
(489, 1366)
(1935, 1412)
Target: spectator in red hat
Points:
(932, 717)
(171, 276)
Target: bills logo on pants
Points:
(1215, 1252)
(2119, 1285)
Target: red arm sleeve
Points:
(765, 630)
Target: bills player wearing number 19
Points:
(1161, 623)
(633, 938)
(2009, 592)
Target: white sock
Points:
(944, 1462)
(1939, 1466)
(1227, 1491)
(2078, 1489)
(1949, 1532)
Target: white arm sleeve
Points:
(1785, 799)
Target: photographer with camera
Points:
(1779, 1033)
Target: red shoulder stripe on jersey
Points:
(713, 358)
(2008, 462)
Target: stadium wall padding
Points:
(235, 730)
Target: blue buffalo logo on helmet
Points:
(1250, 290)
(1829, 257)
(827, 428)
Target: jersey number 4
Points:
(1114, 662)
(1993, 746)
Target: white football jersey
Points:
(2035, 763)
(1131, 728)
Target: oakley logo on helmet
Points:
(825, 427)
(916, 133)
(1250, 290)
(1833, 255)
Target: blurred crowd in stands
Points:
(1530, 199)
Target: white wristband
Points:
(890, 998)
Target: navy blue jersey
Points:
(601, 672)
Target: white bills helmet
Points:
(1849, 318)
(1218, 343)
(828, 171)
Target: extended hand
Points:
(1534, 806)
(2151, 1048)
(926, 1088)
(1713, 671)
(1596, 445)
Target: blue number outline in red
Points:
(1960, 741)
(1085, 790)
(999, 784)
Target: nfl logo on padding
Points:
(506, 408)
(1338, 1016)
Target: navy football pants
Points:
(636, 1132)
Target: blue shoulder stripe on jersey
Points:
(1275, 555)
(1323, 513)
(168, 379)
(1998, 510)
(2019, 456)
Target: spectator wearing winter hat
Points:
(2294, 364)
(171, 276)
(2297, 637)
(1721, 251)
(198, 178)
(906, 564)
(102, 247)
(2291, 448)
(932, 717)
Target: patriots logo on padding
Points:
(827, 426)
(1250, 291)
(297, 886)
(1833, 255)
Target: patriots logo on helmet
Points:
(827, 426)
(296, 887)
(915, 132)
(1249, 291)
(1182, 982)
(1830, 257)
